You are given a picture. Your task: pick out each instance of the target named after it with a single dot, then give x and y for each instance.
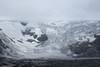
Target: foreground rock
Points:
(4, 62)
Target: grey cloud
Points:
(41, 10)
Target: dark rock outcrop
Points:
(27, 32)
(79, 48)
(24, 23)
(30, 40)
(87, 49)
(43, 37)
(35, 36)
(20, 41)
(96, 43)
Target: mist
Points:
(49, 10)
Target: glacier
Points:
(19, 39)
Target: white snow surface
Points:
(60, 35)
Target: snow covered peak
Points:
(24, 39)
(48, 40)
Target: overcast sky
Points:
(42, 10)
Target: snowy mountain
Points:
(58, 39)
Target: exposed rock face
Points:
(28, 31)
(96, 43)
(35, 36)
(43, 37)
(87, 49)
(79, 48)
(3, 47)
(23, 23)
(30, 40)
